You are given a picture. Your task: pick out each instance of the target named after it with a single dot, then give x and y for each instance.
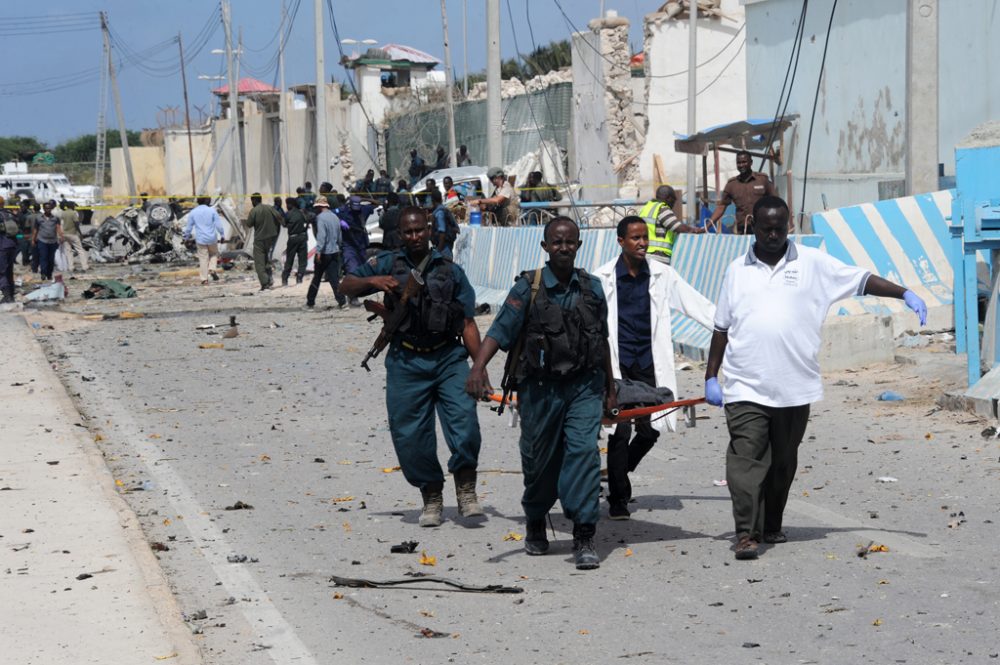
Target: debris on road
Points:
(240, 505)
(360, 583)
(109, 289)
(405, 547)
(886, 479)
(427, 560)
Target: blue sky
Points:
(49, 87)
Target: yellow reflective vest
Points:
(658, 243)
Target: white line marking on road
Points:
(285, 647)
(894, 541)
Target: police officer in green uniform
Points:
(563, 377)
(266, 224)
(426, 364)
(663, 224)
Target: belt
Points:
(424, 349)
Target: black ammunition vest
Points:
(435, 314)
(562, 342)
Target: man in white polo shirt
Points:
(767, 335)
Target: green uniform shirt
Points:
(381, 264)
(510, 319)
(265, 221)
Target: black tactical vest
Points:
(562, 342)
(436, 316)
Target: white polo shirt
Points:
(773, 318)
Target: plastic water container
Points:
(475, 218)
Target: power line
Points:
(534, 47)
(709, 85)
(779, 111)
(812, 120)
(350, 79)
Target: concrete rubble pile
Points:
(513, 87)
(154, 235)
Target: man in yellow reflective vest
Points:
(663, 224)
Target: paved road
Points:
(283, 419)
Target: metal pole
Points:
(465, 47)
(494, 137)
(692, 124)
(187, 116)
(242, 156)
(235, 179)
(118, 110)
(283, 187)
(322, 160)
(449, 85)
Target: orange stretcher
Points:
(625, 415)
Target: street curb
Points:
(155, 581)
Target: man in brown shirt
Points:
(743, 190)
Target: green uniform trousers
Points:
(417, 384)
(761, 463)
(262, 259)
(560, 420)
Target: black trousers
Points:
(8, 252)
(623, 456)
(761, 462)
(326, 266)
(298, 246)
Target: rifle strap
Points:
(514, 355)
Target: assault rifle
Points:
(393, 318)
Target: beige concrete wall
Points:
(147, 168)
(177, 161)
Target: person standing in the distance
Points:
(8, 253)
(744, 190)
(327, 259)
(266, 223)
(641, 294)
(205, 226)
(445, 227)
(297, 247)
(503, 202)
(462, 157)
(563, 377)
(663, 225)
(770, 311)
(46, 238)
(427, 365)
(355, 214)
(389, 222)
(70, 220)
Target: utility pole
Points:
(449, 85)
(234, 109)
(322, 157)
(494, 136)
(239, 118)
(102, 111)
(692, 123)
(187, 116)
(465, 48)
(282, 113)
(921, 96)
(118, 109)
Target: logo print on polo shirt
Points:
(792, 277)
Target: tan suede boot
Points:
(433, 505)
(465, 490)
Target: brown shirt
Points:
(744, 195)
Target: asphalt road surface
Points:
(284, 420)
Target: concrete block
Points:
(852, 341)
(981, 399)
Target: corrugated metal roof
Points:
(398, 52)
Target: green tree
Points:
(84, 148)
(20, 148)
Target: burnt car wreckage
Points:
(153, 233)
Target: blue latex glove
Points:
(914, 302)
(713, 393)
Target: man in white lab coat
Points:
(640, 295)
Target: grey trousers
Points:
(760, 463)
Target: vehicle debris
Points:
(360, 583)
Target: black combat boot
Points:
(583, 547)
(535, 541)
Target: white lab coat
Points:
(667, 290)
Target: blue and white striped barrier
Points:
(904, 240)
(493, 257)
